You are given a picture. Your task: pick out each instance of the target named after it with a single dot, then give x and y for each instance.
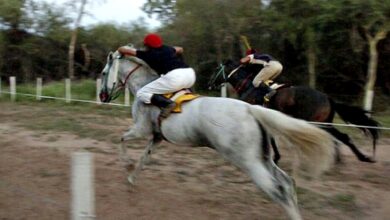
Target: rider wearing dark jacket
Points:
(271, 69)
(174, 73)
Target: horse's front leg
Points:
(132, 134)
(144, 158)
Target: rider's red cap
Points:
(250, 51)
(153, 41)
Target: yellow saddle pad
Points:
(180, 97)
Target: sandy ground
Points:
(179, 183)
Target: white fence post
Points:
(98, 88)
(83, 192)
(12, 87)
(67, 90)
(39, 89)
(224, 90)
(127, 97)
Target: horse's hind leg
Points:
(276, 151)
(347, 141)
(277, 184)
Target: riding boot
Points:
(246, 94)
(267, 91)
(166, 105)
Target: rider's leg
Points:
(270, 71)
(165, 104)
(171, 82)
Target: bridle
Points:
(215, 76)
(116, 91)
(222, 72)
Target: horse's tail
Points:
(315, 146)
(357, 116)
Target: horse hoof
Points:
(368, 160)
(130, 167)
(131, 180)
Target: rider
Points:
(272, 68)
(174, 73)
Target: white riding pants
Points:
(173, 81)
(270, 71)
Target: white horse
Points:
(238, 131)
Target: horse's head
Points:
(220, 76)
(110, 88)
(119, 71)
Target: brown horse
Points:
(299, 102)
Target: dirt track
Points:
(179, 183)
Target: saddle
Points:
(180, 97)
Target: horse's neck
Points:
(139, 78)
(239, 81)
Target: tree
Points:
(298, 20)
(373, 20)
(73, 38)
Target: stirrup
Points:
(269, 95)
(268, 82)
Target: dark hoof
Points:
(367, 159)
(130, 167)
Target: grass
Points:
(81, 90)
(61, 117)
(344, 202)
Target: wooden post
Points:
(127, 97)
(82, 186)
(224, 90)
(368, 100)
(12, 87)
(67, 90)
(39, 89)
(98, 88)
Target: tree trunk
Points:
(311, 56)
(311, 63)
(73, 40)
(372, 68)
(87, 57)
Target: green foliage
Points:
(34, 39)
(11, 12)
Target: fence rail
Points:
(127, 100)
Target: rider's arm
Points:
(127, 51)
(251, 59)
(245, 60)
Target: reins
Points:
(123, 84)
(115, 91)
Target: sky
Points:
(118, 11)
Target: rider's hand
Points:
(245, 60)
(125, 50)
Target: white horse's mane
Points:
(135, 59)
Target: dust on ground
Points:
(178, 183)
